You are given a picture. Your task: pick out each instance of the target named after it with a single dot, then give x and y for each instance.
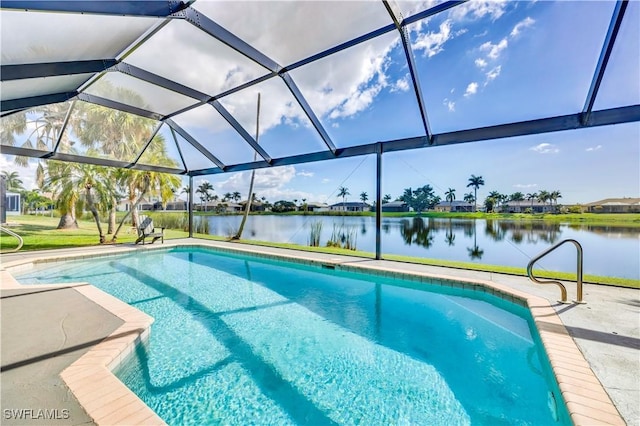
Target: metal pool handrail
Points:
(13, 234)
(563, 289)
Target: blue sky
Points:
(479, 64)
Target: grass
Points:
(39, 233)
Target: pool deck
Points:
(605, 332)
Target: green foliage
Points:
(420, 199)
(342, 238)
(283, 206)
(315, 231)
(179, 221)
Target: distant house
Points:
(256, 206)
(144, 204)
(177, 205)
(350, 207)
(523, 206)
(12, 203)
(317, 207)
(395, 206)
(614, 205)
(455, 206)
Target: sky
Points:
(481, 63)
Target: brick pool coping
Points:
(108, 401)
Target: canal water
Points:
(608, 251)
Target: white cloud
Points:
(479, 9)
(343, 86)
(401, 85)
(525, 185)
(451, 105)
(472, 88)
(545, 148)
(305, 174)
(271, 183)
(494, 50)
(594, 148)
(493, 74)
(525, 23)
(432, 42)
(480, 63)
(325, 180)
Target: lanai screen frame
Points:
(166, 11)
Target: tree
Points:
(364, 197)
(554, 195)
(420, 199)
(13, 182)
(490, 203)
(343, 192)
(253, 176)
(227, 196)
(58, 181)
(496, 199)
(475, 182)
(236, 196)
(386, 199)
(204, 191)
(544, 196)
(450, 196)
(531, 196)
(469, 198)
(71, 181)
(283, 206)
(516, 196)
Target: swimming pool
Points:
(239, 340)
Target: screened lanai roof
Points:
(113, 82)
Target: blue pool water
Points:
(244, 340)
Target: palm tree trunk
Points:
(253, 175)
(94, 211)
(112, 217)
(133, 211)
(67, 222)
(68, 218)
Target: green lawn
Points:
(40, 233)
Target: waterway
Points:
(608, 251)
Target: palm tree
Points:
(236, 196)
(469, 198)
(386, 199)
(516, 196)
(13, 182)
(253, 176)
(204, 189)
(544, 196)
(475, 182)
(57, 181)
(343, 192)
(450, 196)
(227, 196)
(70, 181)
(531, 196)
(364, 197)
(554, 195)
(139, 183)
